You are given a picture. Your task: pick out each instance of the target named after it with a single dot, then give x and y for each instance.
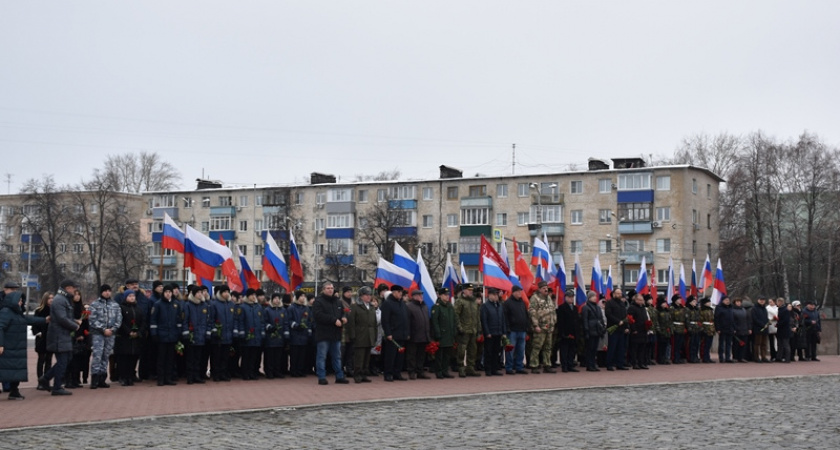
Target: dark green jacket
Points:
(444, 323)
(361, 325)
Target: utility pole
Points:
(9, 183)
(513, 161)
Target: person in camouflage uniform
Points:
(679, 316)
(468, 325)
(651, 350)
(543, 318)
(105, 319)
(707, 323)
(694, 327)
(664, 331)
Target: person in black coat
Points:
(637, 316)
(130, 338)
(493, 326)
(742, 331)
(415, 350)
(40, 332)
(328, 313)
(616, 312)
(396, 332)
(518, 324)
(783, 331)
(13, 340)
(594, 328)
(567, 330)
(725, 328)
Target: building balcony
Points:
(278, 235)
(341, 233)
(222, 211)
(339, 260)
(157, 213)
(635, 228)
(402, 231)
(155, 260)
(551, 229)
(635, 257)
(228, 235)
(477, 202)
(402, 204)
(36, 238)
(25, 256)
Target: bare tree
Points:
(383, 224)
(125, 250)
(385, 175)
(717, 153)
(139, 172)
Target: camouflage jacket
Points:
(104, 314)
(707, 320)
(693, 321)
(679, 318)
(467, 313)
(542, 312)
(664, 325)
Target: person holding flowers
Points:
(637, 320)
(165, 328)
(395, 328)
(128, 345)
(362, 329)
(276, 334)
(444, 329)
(418, 322)
(194, 334)
(252, 332)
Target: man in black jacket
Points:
(518, 321)
(616, 311)
(395, 330)
(328, 313)
(760, 329)
(593, 328)
(493, 326)
(567, 323)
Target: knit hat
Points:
(705, 300)
(515, 289)
(156, 283)
(364, 290)
(68, 283)
(417, 292)
(103, 288)
(222, 288)
(168, 287)
(346, 289)
(128, 292)
(249, 292)
(397, 288)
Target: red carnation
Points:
(480, 338)
(509, 348)
(631, 320)
(86, 332)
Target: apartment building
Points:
(620, 210)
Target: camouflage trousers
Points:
(541, 349)
(467, 348)
(101, 349)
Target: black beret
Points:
(397, 288)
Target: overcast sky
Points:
(267, 92)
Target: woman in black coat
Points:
(40, 331)
(130, 336)
(13, 342)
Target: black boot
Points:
(102, 378)
(94, 381)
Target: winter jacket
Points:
(664, 322)
(725, 319)
(165, 322)
(222, 320)
(783, 325)
(811, 321)
(196, 321)
(418, 319)
(466, 311)
(361, 325)
(638, 329)
(105, 314)
(594, 325)
(40, 330)
(679, 319)
(693, 321)
(516, 315)
(300, 324)
(132, 320)
(326, 311)
(707, 320)
(13, 338)
(276, 326)
(444, 323)
(61, 324)
(395, 319)
(567, 321)
(759, 320)
(741, 320)
(493, 319)
(253, 324)
(616, 311)
(542, 313)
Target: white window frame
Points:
(604, 185)
(663, 245)
(576, 187)
(501, 219)
(663, 183)
(604, 216)
(501, 190)
(576, 217)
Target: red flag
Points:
(653, 283)
(522, 269)
(490, 252)
(233, 280)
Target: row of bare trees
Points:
(779, 212)
(90, 231)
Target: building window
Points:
(243, 225)
(604, 216)
(694, 217)
(501, 190)
(452, 220)
(709, 249)
(605, 246)
(549, 214)
(243, 249)
(662, 275)
(524, 247)
(220, 223)
(62, 247)
(633, 181)
(604, 186)
(225, 200)
(475, 216)
(694, 248)
(663, 214)
(319, 249)
(576, 247)
(501, 219)
(478, 191)
(634, 245)
(577, 187)
(298, 198)
(428, 221)
(243, 200)
(406, 218)
(694, 185)
(258, 200)
(452, 247)
(428, 193)
(77, 248)
(340, 246)
(426, 247)
(363, 249)
(258, 225)
(340, 221)
(634, 212)
(381, 195)
(709, 191)
(663, 183)
(162, 201)
(709, 221)
(452, 193)
(363, 196)
(523, 218)
(205, 202)
(663, 246)
(523, 189)
(403, 192)
(577, 217)
(339, 195)
(320, 198)
(188, 202)
(631, 276)
(205, 226)
(258, 250)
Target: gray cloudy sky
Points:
(266, 92)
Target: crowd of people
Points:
(127, 337)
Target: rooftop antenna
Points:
(9, 183)
(513, 161)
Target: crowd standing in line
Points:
(129, 337)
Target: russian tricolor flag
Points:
(693, 290)
(274, 265)
(719, 286)
(608, 284)
(294, 263)
(494, 276)
(391, 274)
(707, 277)
(580, 292)
(173, 237)
(560, 281)
(682, 282)
(450, 276)
(202, 255)
(539, 254)
(403, 260)
(247, 275)
(596, 284)
(642, 283)
(426, 284)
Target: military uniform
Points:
(165, 328)
(222, 327)
(664, 331)
(542, 312)
(468, 326)
(105, 314)
(693, 325)
(679, 317)
(276, 335)
(195, 333)
(444, 331)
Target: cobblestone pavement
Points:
(771, 413)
